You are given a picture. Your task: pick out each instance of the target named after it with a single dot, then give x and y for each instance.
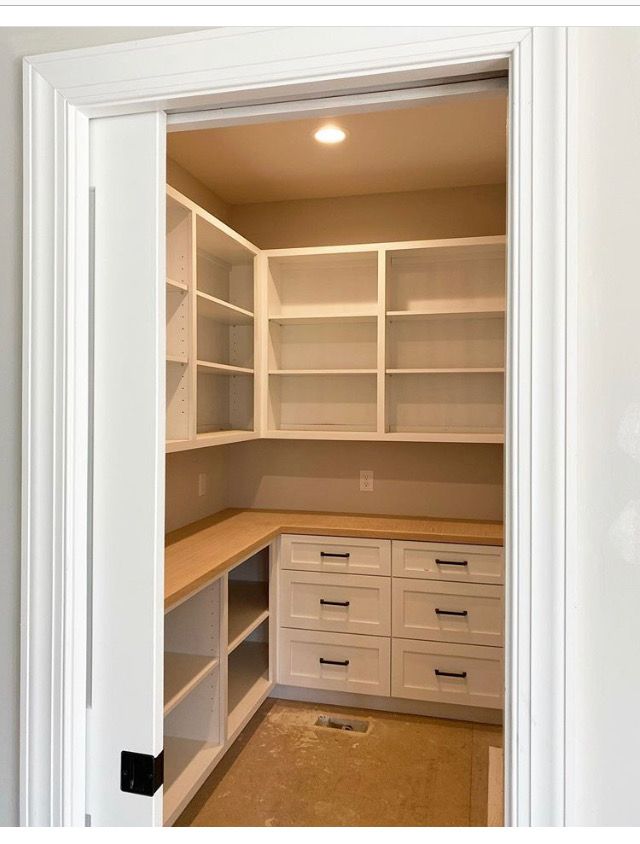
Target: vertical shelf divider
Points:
(261, 344)
(382, 334)
(193, 333)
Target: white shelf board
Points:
(177, 285)
(210, 438)
(182, 673)
(448, 313)
(181, 359)
(248, 608)
(454, 370)
(222, 368)
(323, 371)
(249, 683)
(443, 435)
(310, 318)
(221, 311)
(187, 763)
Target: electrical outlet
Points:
(366, 480)
(202, 484)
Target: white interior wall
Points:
(604, 587)
(16, 42)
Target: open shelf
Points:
(182, 673)
(322, 372)
(222, 311)
(470, 404)
(187, 763)
(307, 283)
(312, 318)
(454, 370)
(248, 608)
(177, 359)
(248, 682)
(222, 368)
(324, 346)
(460, 312)
(336, 401)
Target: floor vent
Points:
(350, 725)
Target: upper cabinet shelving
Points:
(210, 329)
(391, 341)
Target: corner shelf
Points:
(222, 311)
(177, 285)
(222, 368)
(248, 682)
(248, 608)
(182, 673)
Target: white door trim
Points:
(62, 92)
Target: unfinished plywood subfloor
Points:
(405, 771)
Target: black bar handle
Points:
(324, 661)
(452, 612)
(330, 554)
(460, 674)
(334, 603)
(452, 562)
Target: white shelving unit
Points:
(219, 667)
(210, 329)
(386, 341)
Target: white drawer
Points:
(344, 603)
(471, 614)
(347, 555)
(342, 662)
(435, 561)
(443, 673)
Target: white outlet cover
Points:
(366, 480)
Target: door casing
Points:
(245, 66)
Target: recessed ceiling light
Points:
(330, 135)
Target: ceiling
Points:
(461, 141)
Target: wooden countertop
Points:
(203, 550)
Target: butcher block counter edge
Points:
(198, 553)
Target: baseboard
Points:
(387, 704)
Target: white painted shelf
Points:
(449, 370)
(448, 313)
(221, 311)
(248, 608)
(222, 368)
(323, 371)
(311, 318)
(181, 359)
(177, 285)
(187, 763)
(248, 682)
(182, 673)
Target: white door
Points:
(126, 491)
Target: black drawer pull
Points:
(331, 554)
(334, 603)
(460, 674)
(452, 612)
(324, 661)
(452, 562)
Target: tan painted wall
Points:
(414, 479)
(446, 212)
(182, 180)
(183, 504)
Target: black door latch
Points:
(141, 773)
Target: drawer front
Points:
(443, 673)
(448, 612)
(346, 555)
(462, 563)
(341, 662)
(344, 603)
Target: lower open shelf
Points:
(182, 673)
(186, 766)
(248, 682)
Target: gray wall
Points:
(16, 42)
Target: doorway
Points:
(334, 306)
